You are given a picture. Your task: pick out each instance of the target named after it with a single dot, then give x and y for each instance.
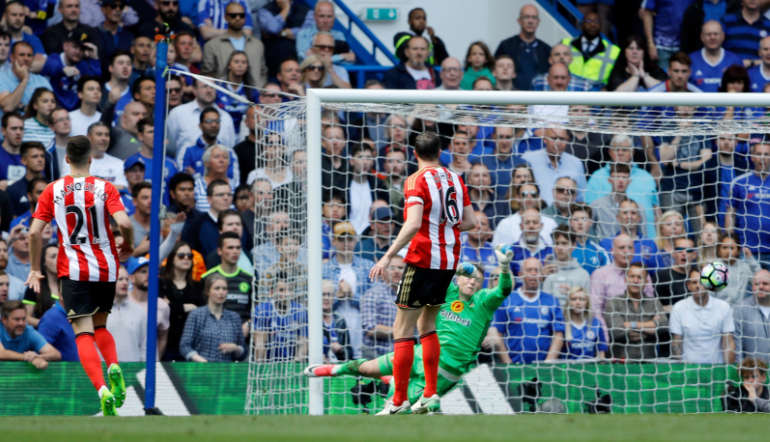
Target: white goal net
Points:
(611, 211)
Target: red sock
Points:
(430, 353)
(403, 356)
(106, 345)
(89, 359)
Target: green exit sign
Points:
(380, 14)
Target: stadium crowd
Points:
(608, 231)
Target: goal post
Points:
(476, 107)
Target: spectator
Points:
(169, 13)
(709, 63)
(37, 117)
(741, 270)
(744, 29)
(202, 234)
(451, 74)
(697, 14)
(188, 55)
(39, 303)
(584, 334)
(564, 196)
(394, 170)
(558, 80)
(18, 251)
(508, 230)
(280, 324)
(662, 20)
(478, 63)
(609, 281)
(702, 327)
(606, 209)
(20, 342)
(458, 152)
(14, 17)
(413, 73)
(363, 186)
(213, 333)
(377, 238)
(5, 49)
(245, 151)
(531, 244)
(174, 86)
(500, 163)
(142, 91)
(104, 165)
(239, 84)
(323, 21)
(4, 286)
(378, 311)
(323, 47)
(230, 221)
(57, 330)
(552, 162)
(182, 294)
(115, 36)
(759, 74)
(645, 250)
(90, 95)
(33, 159)
(181, 127)
(530, 320)
(752, 320)
(670, 226)
(289, 77)
(217, 52)
(587, 251)
(216, 164)
(708, 241)
(670, 282)
(642, 187)
(118, 87)
(418, 25)
(335, 330)
(215, 17)
(274, 162)
(634, 70)
(752, 395)
(529, 54)
(77, 58)
(592, 56)
(679, 70)
(565, 273)
(11, 167)
(15, 286)
(190, 159)
(134, 175)
(239, 281)
(476, 248)
(145, 129)
(561, 53)
(124, 140)
(504, 72)
(482, 194)
(57, 148)
(33, 189)
(633, 320)
(54, 36)
(17, 83)
(263, 206)
(747, 203)
(280, 22)
(181, 189)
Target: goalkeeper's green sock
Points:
(348, 368)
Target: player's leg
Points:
(431, 348)
(358, 367)
(106, 343)
(403, 351)
(80, 309)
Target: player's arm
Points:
(469, 220)
(728, 348)
(409, 229)
(35, 246)
(126, 231)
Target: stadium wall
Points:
(219, 388)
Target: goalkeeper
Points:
(462, 325)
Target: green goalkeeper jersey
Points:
(462, 325)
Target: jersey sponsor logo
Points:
(457, 306)
(449, 316)
(238, 298)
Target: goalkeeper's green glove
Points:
(465, 269)
(504, 255)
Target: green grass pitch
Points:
(714, 427)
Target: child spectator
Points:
(479, 62)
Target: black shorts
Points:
(84, 298)
(420, 287)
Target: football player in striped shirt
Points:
(88, 262)
(437, 209)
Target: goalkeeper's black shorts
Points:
(420, 287)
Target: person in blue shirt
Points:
(584, 335)
(55, 329)
(20, 342)
(280, 323)
(662, 20)
(759, 75)
(475, 246)
(710, 62)
(145, 130)
(587, 251)
(14, 18)
(530, 245)
(731, 162)
(190, 159)
(645, 249)
(748, 212)
(744, 29)
(376, 239)
(17, 83)
(65, 69)
(531, 321)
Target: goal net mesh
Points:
(586, 191)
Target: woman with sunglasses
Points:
(182, 293)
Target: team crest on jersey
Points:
(590, 334)
(543, 310)
(243, 287)
(457, 306)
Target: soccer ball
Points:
(713, 276)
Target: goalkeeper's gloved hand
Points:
(465, 269)
(504, 255)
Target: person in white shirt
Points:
(90, 94)
(183, 127)
(127, 322)
(508, 231)
(104, 165)
(702, 326)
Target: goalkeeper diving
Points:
(462, 325)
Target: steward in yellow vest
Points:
(592, 56)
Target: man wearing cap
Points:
(14, 24)
(345, 266)
(77, 59)
(70, 26)
(376, 239)
(139, 275)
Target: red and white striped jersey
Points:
(82, 208)
(443, 196)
